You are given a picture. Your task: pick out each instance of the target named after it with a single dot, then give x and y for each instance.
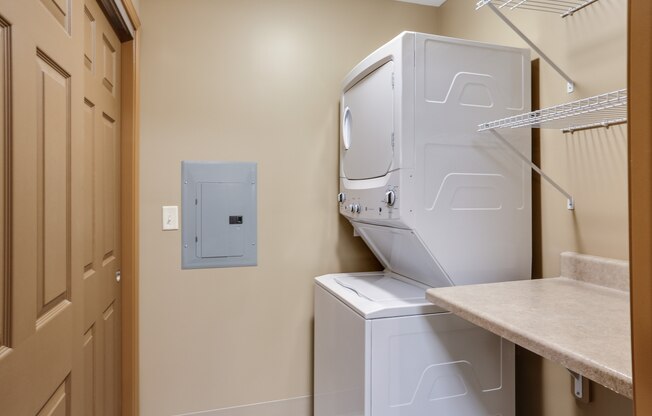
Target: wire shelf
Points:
(600, 111)
(560, 7)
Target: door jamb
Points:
(639, 132)
(129, 189)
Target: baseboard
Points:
(297, 406)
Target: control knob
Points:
(354, 208)
(390, 198)
(341, 197)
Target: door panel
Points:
(101, 165)
(110, 371)
(60, 10)
(59, 402)
(53, 119)
(89, 39)
(59, 299)
(89, 372)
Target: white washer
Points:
(381, 349)
(439, 204)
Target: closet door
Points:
(40, 92)
(59, 309)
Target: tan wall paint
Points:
(591, 47)
(251, 81)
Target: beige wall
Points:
(259, 81)
(591, 47)
(250, 81)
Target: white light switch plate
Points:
(170, 218)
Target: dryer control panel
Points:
(354, 204)
(372, 200)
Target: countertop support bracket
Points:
(570, 201)
(577, 384)
(570, 85)
(581, 387)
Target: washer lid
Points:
(380, 288)
(379, 294)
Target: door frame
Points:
(123, 17)
(639, 132)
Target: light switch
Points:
(170, 218)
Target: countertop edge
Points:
(616, 381)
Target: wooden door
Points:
(101, 185)
(59, 302)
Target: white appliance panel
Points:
(471, 74)
(340, 358)
(475, 192)
(465, 198)
(368, 125)
(402, 252)
(439, 365)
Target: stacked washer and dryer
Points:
(439, 204)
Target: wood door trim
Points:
(6, 136)
(131, 13)
(129, 162)
(640, 197)
(118, 16)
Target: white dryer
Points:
(439, 204)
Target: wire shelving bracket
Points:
(603, 110)
(570, 201)
(564, 8)
(570, 84)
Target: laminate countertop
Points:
(580, 320)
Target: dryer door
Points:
(367, 148)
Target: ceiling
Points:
(435, 3)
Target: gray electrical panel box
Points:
(219, 214)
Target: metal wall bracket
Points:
(570, 85)
(570, 202)
(577, 384)
(581, 387)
